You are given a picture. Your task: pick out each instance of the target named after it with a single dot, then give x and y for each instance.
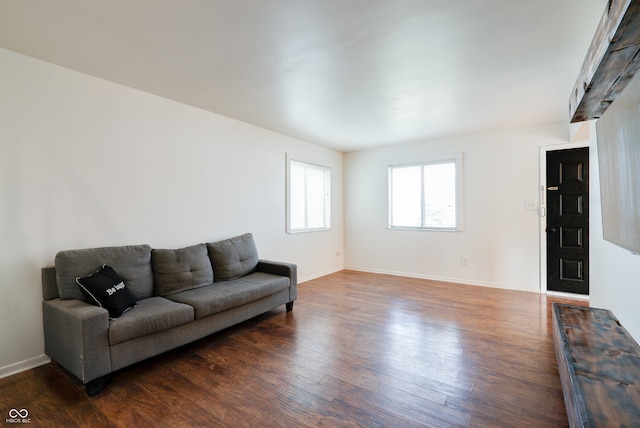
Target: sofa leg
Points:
(94, 387)
(289, 306)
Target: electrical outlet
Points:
(338, 253)
(464, 261)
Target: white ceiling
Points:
(346, 74)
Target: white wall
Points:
(85, 162)
(500, 238)
(615, 272)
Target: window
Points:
(308, 196)
(426, 194)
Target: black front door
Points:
(568, 220)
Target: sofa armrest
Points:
(49, 284)
(289, 270)
(76, 335)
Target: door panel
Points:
(568, 220)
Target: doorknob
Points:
(552, 230)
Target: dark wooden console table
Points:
(599, 365)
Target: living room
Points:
(87, 162)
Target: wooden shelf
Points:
(611, 61)
(599, 366)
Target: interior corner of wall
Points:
(580, 132)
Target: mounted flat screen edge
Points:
(618, 133)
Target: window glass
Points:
(426, 194)
(440, 195)
(406, 203)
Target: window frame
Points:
(457, 160)
(326, 198)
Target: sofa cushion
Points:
(104, 288)
(233, 258)
(181, 269)
(132, 262)
(151, 315)
(226, 295)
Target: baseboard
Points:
(440, 279)
(40, 360)
(311, 277)
(567, 295)
(21, 366)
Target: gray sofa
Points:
(181, 295)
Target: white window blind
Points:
(308, 196)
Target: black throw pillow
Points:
(106, 289)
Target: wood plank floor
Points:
(358, 349)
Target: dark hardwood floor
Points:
(358, 349)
